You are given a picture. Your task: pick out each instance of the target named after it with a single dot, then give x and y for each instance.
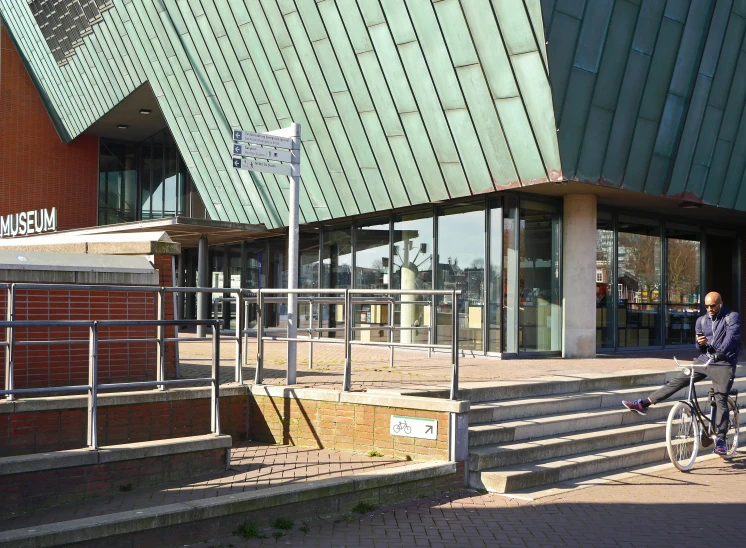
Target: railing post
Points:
(390, 307)
(93, 386)
(432, 327)
(10, 339)
(239, 335)
(161, 334)
(454, 345)
(310, 333)
(246, 332)
(347, 382)
(215, 395)
(259, 335)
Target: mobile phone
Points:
(700, 334)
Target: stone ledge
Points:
(135, 521)
(88, 457)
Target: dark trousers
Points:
(722, 381)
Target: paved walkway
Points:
(412, 369)
(253, 466)
(665, 508)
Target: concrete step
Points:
(493, 456)
(525, 476)
(562, 424)
(511, 410)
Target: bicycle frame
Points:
(692, 400)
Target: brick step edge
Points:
(178, 524)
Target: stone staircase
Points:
(524, 436)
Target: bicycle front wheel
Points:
(682, 436)
(731, 439)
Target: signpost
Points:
(286, 143)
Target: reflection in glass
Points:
(510, 271)
(336, 273)
(412, 269)
(117, 183)
(538, 284)
(495, 276)
(308, 277)
(604, 281)
(682, 285)
(461, 233)
(638, 280)
(372, 272)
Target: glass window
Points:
(413, 269)
(117, 191)
(510, 274)
(682, 284)
(308, 277)
(639, 278)
(495, 277)
(539, 316)
(604, 281)
(371, 272)
(336, 273)
(461, 233)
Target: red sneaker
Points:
(635, 406)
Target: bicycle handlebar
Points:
(689, 365)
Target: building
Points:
(535, 154)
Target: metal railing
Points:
(94, 341)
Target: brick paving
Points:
(412, 369)
(253, 466)
(663, 508)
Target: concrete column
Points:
(579, 276)
(203, 278)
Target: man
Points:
(718, 338)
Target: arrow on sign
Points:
(429, 429)
(264, 167)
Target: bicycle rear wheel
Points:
(731, 439)
(682, 436)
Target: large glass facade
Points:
(605, 256)
(682, 283)
(142, 181)
(495, 277)
(461, 247)
(539, 316)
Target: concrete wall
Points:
(579, 276)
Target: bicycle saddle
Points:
(733, 392)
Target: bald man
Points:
(719, 339)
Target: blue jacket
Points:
(723, 337)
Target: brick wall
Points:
(60, 429)
(22, 492)
(38, 170)
(342, 426)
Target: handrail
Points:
(93, 385)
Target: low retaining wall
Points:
(33, 481)
(350, 421)
(59, 423)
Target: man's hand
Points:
(701, 340)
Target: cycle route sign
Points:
(413, 427)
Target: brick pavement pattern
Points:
(664, 508)
(412, 369)
(253, 466)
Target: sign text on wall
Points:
(28, 222)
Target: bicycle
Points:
(402, 425)
(687, 422)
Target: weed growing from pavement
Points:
(278, 534)
(283, 523)
(305, 527)
(349, 518)
(363, 507)
(247, 531)
(374, 454)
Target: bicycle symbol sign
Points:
(413, 427)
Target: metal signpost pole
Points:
(293, 235)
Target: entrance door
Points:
(721, 268)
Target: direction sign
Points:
(264, 167)
(240, 149)
(413, 427)
(262, 139)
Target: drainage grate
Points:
(64, 23)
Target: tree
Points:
(640, 261)
(682, 271)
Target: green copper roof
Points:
(407, 102)
(650, 95)
(399, 102)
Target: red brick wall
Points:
(342, 426)
(34, 489)
(38, 170)
(57, 430)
